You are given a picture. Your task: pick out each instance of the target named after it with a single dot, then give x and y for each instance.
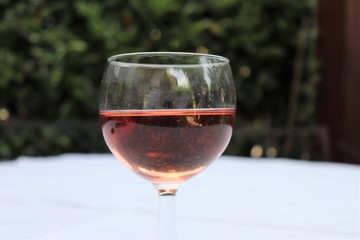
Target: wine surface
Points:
(167, 146)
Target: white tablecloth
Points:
(79, 196)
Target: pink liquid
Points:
(167, 146)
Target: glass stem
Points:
(167, 215)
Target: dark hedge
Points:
(52, 56)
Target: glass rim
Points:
(222, 61)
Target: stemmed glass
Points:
(167, 116)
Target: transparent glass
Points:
(167, 116)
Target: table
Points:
(93, 196)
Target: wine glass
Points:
(167, 116)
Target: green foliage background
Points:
(52, 56)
